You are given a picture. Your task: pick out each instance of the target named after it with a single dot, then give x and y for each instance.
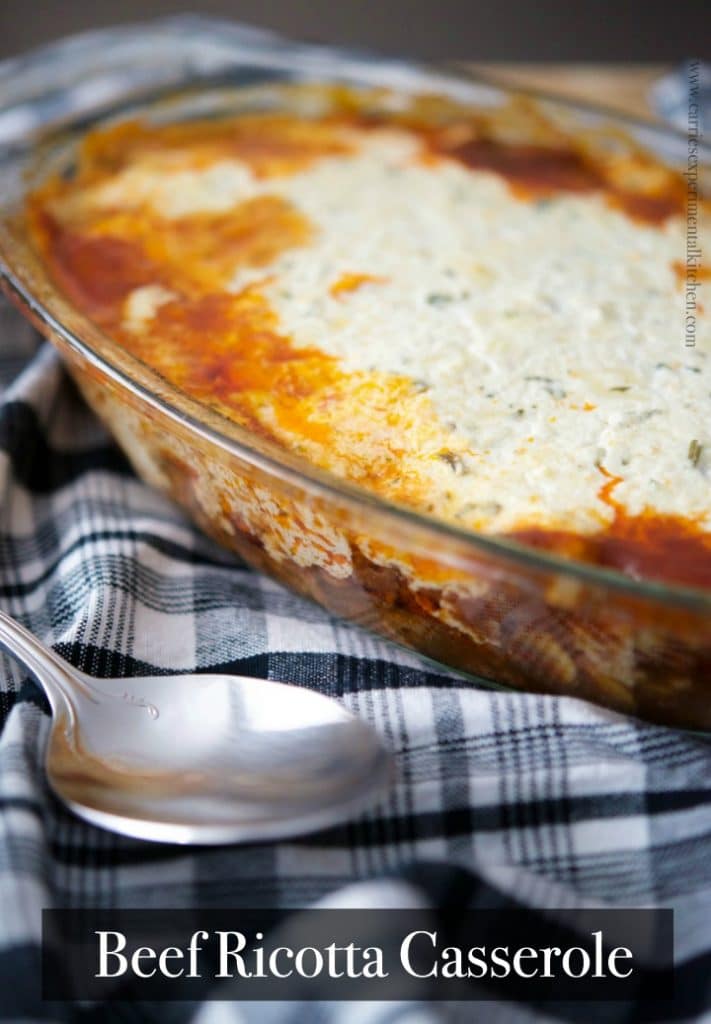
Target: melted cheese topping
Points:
(492, 334)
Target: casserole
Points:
(237, 355)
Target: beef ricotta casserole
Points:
(424, 362)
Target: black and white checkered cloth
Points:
(512, 799)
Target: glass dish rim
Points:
(239, 441)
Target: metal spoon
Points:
(200, 758)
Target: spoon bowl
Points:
(200, 758)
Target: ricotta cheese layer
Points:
(505, 353)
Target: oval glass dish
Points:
(487, 606)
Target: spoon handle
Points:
(43, 664)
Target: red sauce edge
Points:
(545, 170)
(650, 546)
(646, 547)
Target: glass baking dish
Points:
(490, 608)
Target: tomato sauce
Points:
(648, 546)
(535, 170)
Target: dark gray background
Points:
(495, 30)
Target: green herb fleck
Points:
(480, 508)
(453, 460)
(636, 418)
(550, 386)
(694, 453)
(621, 388)
(439, 298)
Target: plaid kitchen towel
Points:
(504, 799)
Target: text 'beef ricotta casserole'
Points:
(477, 315)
